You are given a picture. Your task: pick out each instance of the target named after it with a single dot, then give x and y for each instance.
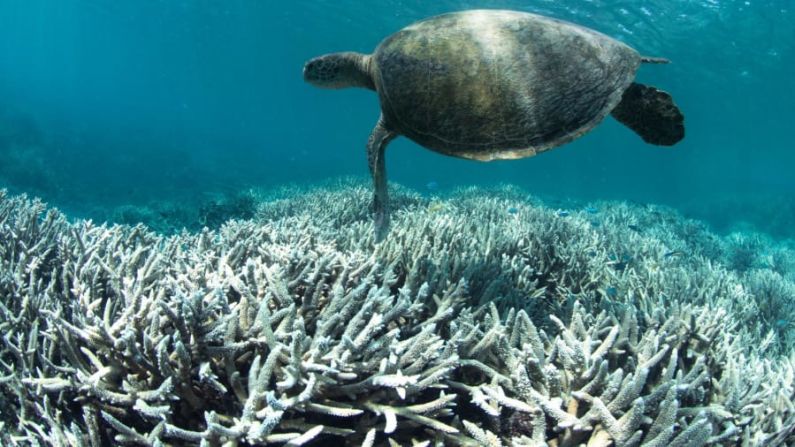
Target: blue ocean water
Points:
(106, 104)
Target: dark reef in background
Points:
(168, 195)
(173, 217)
(25, 163)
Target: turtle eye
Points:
(316, 70)
(320, 71)
(309, 69)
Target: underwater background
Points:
(107, 105)
(608, 293)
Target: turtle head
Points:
(339, 70)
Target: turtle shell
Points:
(491, 84)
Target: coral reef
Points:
(170, 217)
(161, 217)
(762, 207)
(485, 318)
(24, 155)
(214, 213)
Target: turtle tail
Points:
(654, 60)
(652, 114)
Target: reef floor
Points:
(487, 317)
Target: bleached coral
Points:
(602, 381)
(199, 338)
(472, 324)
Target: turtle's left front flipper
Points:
(376, 144)
(652, 114)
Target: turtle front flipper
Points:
(379, 139)
(652, 114)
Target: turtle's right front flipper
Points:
(379, 139)
(652, 114)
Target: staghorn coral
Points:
(471, 325)
(601, 381)
(667, 255)
(156, 342)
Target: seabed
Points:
(486, 317)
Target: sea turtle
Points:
(496, 84)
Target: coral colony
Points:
(468, 325)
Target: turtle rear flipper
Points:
(652, 114)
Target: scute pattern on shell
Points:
(499, 84)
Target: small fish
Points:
(621, 264)
(563, 213)
(435, 206)
(432, 185)
(596, 223)
(513, 210)
(674, 254)
(634, 227)
(591, 210)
